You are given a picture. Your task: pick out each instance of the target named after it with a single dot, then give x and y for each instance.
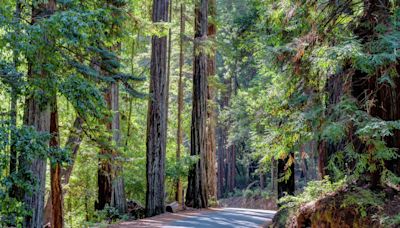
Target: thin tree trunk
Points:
(73, 143)
(118, 199)
(178, 191)
(196, 195)
(157, 117)
(211, 117)
(55, 170)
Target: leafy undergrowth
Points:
(327, 204)
(253, 199)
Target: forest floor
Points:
(214, 217)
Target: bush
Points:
(313, 191)
(237, 193)
(266, 194)
(248, 193)
(108, 214)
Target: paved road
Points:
(226, 218)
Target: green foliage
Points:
(276, 57)
(251, 193)
(248, 193)
(313, 191)
(362, 199)
(391, 221)
(32, 145)
(108, 215)
(85, 97)
(12, 211)
(179, 169)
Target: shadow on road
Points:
(226, 218)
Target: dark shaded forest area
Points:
(114, 110)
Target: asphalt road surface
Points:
(226, 218)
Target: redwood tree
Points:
(211, 116)
(178, 191)
(157, 116)
(110, 181)
(37, 115)
(196, 195)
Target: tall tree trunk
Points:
(104, 172)
(55, 170)
(157, 117)
(37, 115)
(169, 51)
(196, 195)
(179, 190)
(211, 117)
(73, 143)
(223, 148)
(110, 179)
(286, 185)
(118, 199)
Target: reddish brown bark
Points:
(211, 116)
(55, 171)
(196, 195)
(73, 143)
